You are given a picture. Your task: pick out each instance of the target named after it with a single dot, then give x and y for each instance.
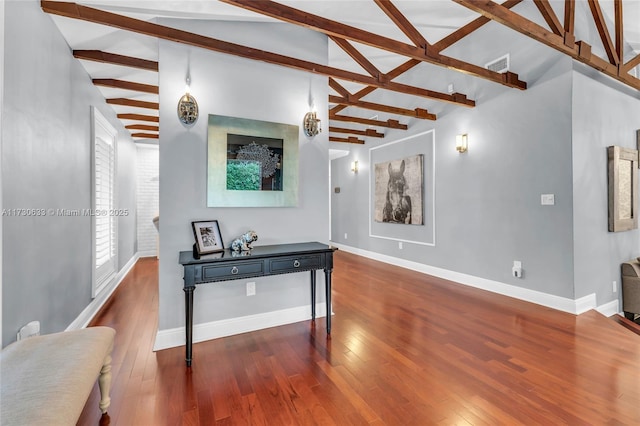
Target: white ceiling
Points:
(435, 19)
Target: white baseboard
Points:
(147, 253)
(609, 309)
(555, 302)
(92, 308)
(174, 337)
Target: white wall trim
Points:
(556, 302)
(92, 308)
(609, 309)
(147, 253)
(174, 337)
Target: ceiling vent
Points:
(499, 65)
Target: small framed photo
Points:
(208, 238)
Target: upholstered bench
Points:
(46, 380)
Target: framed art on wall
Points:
(623, 191)
(402, 190)
(251, 163)
(208, 237)
(399, 186)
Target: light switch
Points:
(547, 199)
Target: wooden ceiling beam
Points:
(601, 25)
(367, 132)
(415, 113)
(358, 57)
(145, 135)
(114, 59)
(569, 23)
(632, 64)
(134, 103)
(350, 139)
(397, 71)
(337, 29)
(142, 127)
(127, 85)
(76, 11)
(139, 117)
(549, 16)
(339, 88)
(390, 124)
(461, 33)
(580, 52)
(403, 24)
(619, 32)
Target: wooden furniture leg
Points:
(104, 383)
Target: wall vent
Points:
(499, 65)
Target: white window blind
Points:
(105, 246)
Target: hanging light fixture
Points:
(188, 107)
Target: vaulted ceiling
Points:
(374, 46)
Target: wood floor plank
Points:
(406, 349)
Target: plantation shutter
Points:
(104, 196)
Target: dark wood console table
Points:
(261, 261)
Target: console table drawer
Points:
(232, 271)
(293, 264)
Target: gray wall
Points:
(46, 162)
(237, 87)
(487, 201)
(602, 116)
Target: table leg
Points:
(313, 295)
(327, 281)
(188, 304)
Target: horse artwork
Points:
(399, 190)
(397, 207)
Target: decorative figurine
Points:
(243, 243)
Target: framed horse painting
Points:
(402, 188)
(399, 186)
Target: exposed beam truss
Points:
(368, 132)
(114, 59)
(580, 51)
(134, 103)
(411, 63)
(143, 127)
(391, 124)
(139, 117)
(336, 29)
(350, 139)
(76, 11)
(127, 85)
(144, 135)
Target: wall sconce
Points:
(462, 143)
(354, 166)
(187, 107)
(311, 124)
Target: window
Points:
(104, 223)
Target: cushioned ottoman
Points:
(631, 288)
(46, 380)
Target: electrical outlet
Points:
(516, 270)
(251, 288)
(615, 287)
(400, 245)
(345, 235)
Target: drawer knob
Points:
(234, 270)
(296, 263)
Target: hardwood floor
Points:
(406, 349)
